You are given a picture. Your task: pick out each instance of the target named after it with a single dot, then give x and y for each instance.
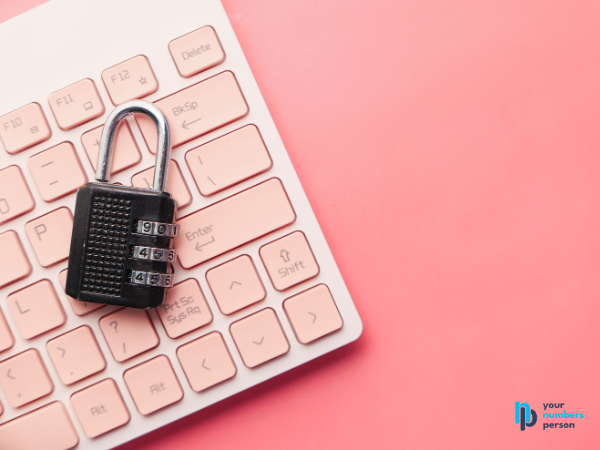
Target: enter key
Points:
(232, 222)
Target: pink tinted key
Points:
(48, 428)
(100, 408)
(23, 378)
(76, 104)
(206, 361)
(16, 266)
(23, 128)
(15, 197)
(185, 309)
(6, 338)
(259, 338)
(50, 236)
(128, 332)
(232, 222)
(236, 284)
(36, 309)
(129, 80)
(126, 153)
(196, 51)
(228, 160)
(289, 260)
(313, 314)
(57, 171)
(79, 308)
(198, 109)
(153, 385)
(76, 355)
(176, 185)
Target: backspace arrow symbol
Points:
(185, 125)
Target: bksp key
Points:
(121, 247)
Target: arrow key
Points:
(206, 361)
(259, 338)
(313, 314)
(76, 355)
(24, 378)
(236, 284)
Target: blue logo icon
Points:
(524, 415)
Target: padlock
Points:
(122, 246)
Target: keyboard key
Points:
(185, 309)
(153, 385)
(57, 171)
(23, 128)
(24, 378)
(197, 110)
(196, 51)
(76, 355)
(79, 308)
(259, 338)
(129, 80)
(289, 260)
(176, 185)
(100, 408)
(236, 284)
(50, 236)
(16, 266)
(228, 160)
(36, 309)
(206, 361)
(313, 314)
(126, 152)
(16, 198)
(6, 338)
(128, 333)
(76, 104)
(48, 428)
(232, 222)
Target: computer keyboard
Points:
(256, 292)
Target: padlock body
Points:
(105, 233)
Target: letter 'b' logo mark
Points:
(525, 415)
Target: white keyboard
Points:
(257, 291)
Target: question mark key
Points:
(128, 333)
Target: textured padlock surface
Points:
(103, 237)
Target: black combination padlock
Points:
(122, 242)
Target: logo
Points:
(524, 415)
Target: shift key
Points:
(232, 222)
(197, 110)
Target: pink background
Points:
(451, 151)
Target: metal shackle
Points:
(108, 138)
